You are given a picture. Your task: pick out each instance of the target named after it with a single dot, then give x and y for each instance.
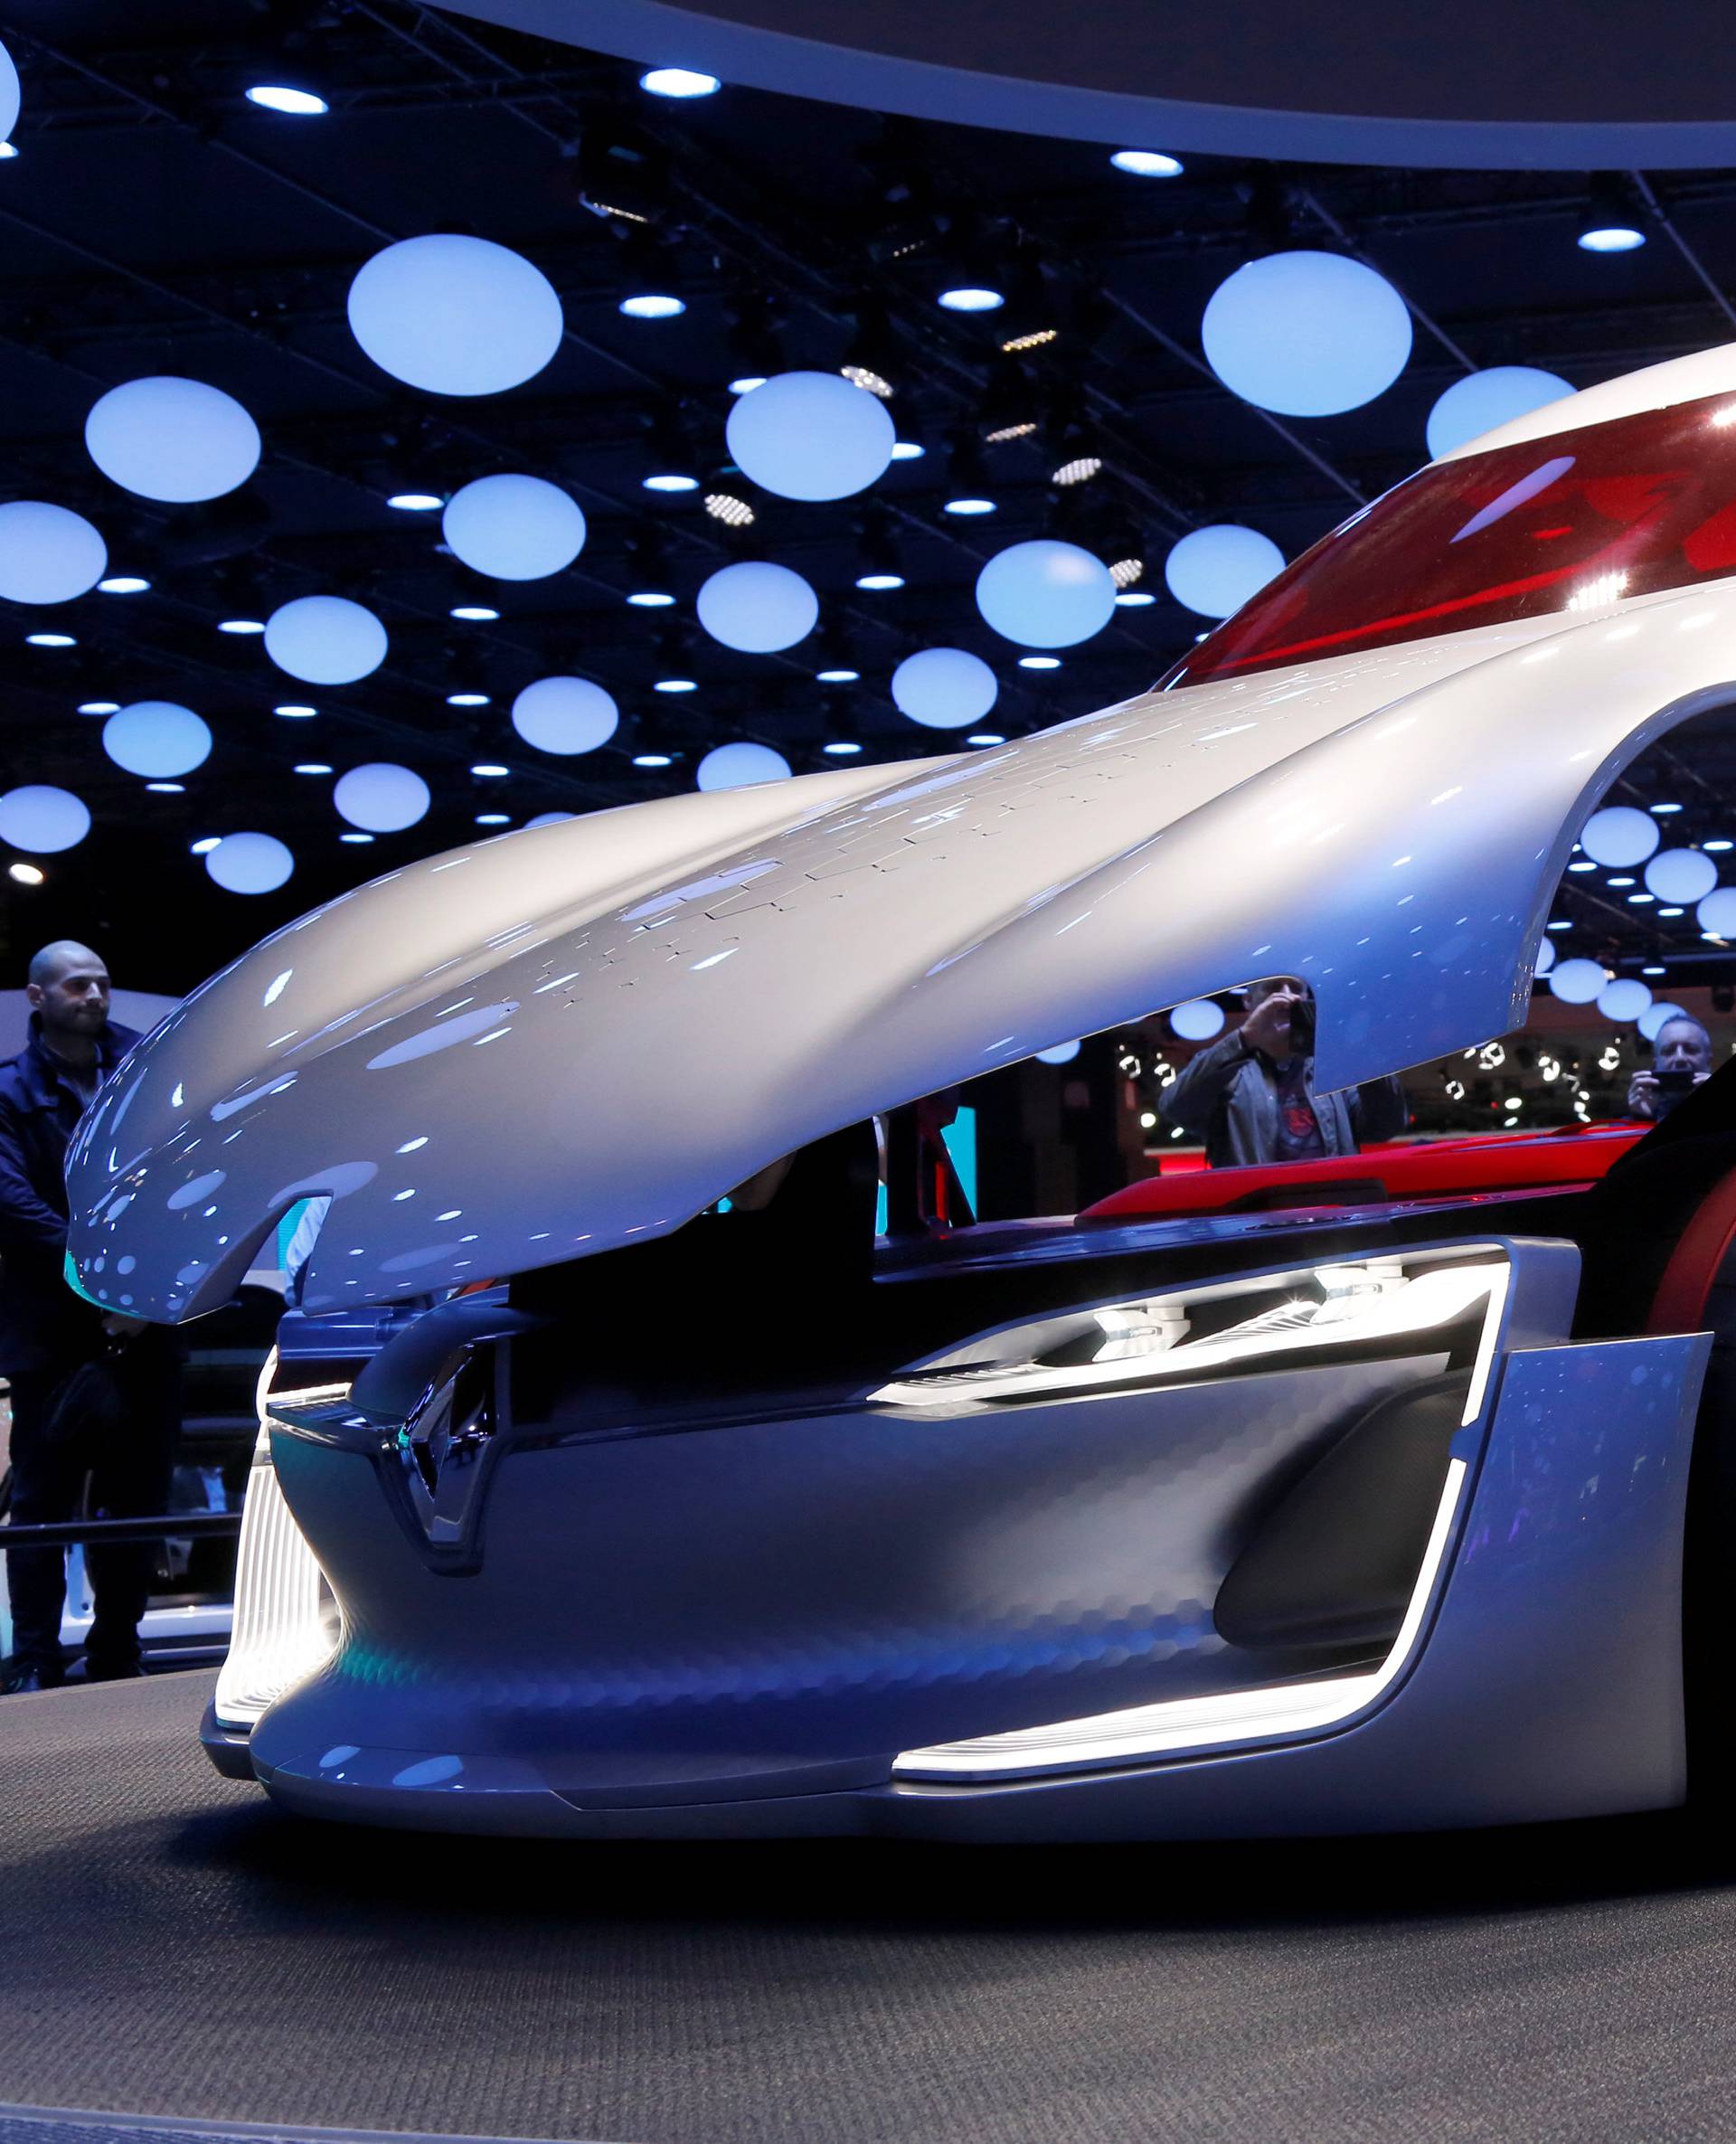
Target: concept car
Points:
(590, 1502)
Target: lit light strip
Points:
(1186, 1725)
(277, 1636)
(1429, 1300)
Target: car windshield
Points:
(1571, 521)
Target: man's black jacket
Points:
(42, 1324)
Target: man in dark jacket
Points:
(47, 1332)
(1251, 1095)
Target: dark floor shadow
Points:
(902, 1887)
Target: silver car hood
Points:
(546, 1045)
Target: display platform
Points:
(175, 1949)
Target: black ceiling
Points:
(153, 220)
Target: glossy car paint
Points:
(486, 1063)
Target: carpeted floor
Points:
(170, 1945)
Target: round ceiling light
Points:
(565, 715)
(514, 528)
(1619, 836)
(8, 94)
(1197, 1020)
(172, 439)
(1578, 982)
(301, 104)
(380, 798)
(943, 688)
(249, 863)
(1481, 401)
(679, 81)
(810, 436)
(455, 315)
(737, 766)
(1306, 334)
(1214, 571)
(1623, 1000)
(1717, 913)
(758, 607)
(326, 640)
(48, 554)
(1683, 876)
(157, 737)
(1657, 1015)
(1147, 164)
(42, 819)
(1045, 594)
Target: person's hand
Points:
(119, 1327)
(1267, 1026)
(1642, 1094)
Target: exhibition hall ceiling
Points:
(155, 221)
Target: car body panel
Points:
(662, 1000)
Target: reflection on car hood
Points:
(548, 1043)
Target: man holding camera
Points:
(1681, 1062)
(1251, 1095)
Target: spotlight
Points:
(26, 874)
(836, 677)
(466, 699)
(416, 502)
(167, 788)
(1079, 469)
(968, 492)
(729, 507)
(985, 737)
(123, 584)
(355, 838)
(650, 587)
(653, 305)
(842, 750)
(675, 684)
(1134, 599)
(51, 640)
(971, 297)
(1031, 321)
(241, 625)
(300, 104)
(99, 707)
(1608, 224)
(204, 847)
(652, 758)
(871, 360)
(490, 769)
(1009, 408)
(296, 714)
(477, 614)
(679, 81)
(494, 818)
(672, 461)
(1147, 164)
(1038, 662)
(313, 767)
(877, 558)
(907, 450)
(756, 352)
(8, 150)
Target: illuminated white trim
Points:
(1185, 1725)
(1422, 1304)
(278, 1634)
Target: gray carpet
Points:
(170, 1946)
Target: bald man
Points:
(47, 1332)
